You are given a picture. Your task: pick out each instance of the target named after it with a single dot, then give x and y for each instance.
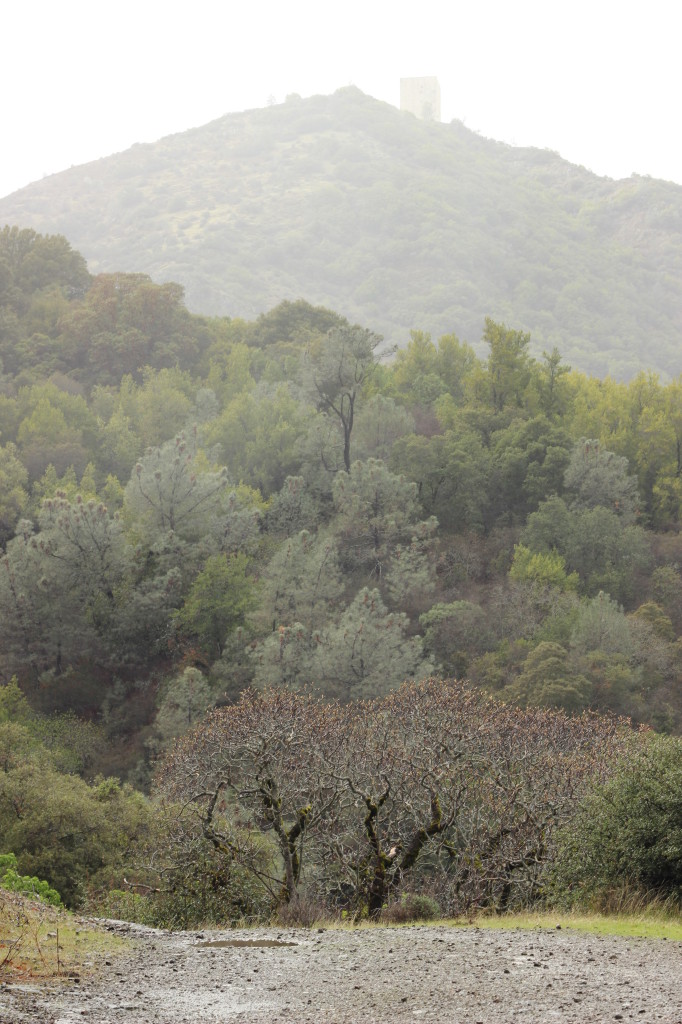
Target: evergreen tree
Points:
(368, 653)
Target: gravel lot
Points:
(434, 974)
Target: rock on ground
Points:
(430, 974)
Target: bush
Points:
(627, 834)
(411, 907)
(27, 885)
(302, 912)
(69, 832)
(216, 892)
(194, 885)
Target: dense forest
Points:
(193, 508)
(394, 222)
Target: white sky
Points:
(597, 81)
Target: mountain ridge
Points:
(396, 223)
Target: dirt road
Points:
(430, 974)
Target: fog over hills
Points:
(396, 223)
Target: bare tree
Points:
(435, 788)
(262, 760)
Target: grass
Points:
(625, 912)
(628, 925)
(655, 923)
(39, 941)
(636, 925)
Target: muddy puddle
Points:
(261, 943)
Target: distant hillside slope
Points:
(394, 222)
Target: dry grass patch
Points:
(40, 941)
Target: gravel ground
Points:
(434, 974)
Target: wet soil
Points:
(447, 975)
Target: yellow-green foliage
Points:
(547, 569)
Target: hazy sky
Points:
(597, 81)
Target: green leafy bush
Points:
(628, 833)
(26, 884)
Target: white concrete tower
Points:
(421, 97)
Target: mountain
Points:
(396, 223)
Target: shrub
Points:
(69, 832)
(411, 907)
(27, 885)
(627, 834)
(302, 912)
(190, 885)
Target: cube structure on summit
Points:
(421, 97)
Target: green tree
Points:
(230, 371)
(258, 434)
(59, 827)
(45, 437)
(409, 580)
(615, 682)
(44, 627)
(183, 702)
(543, 569)
(128, 322)
(296, 323)
(158, 408)
(415, 376)
(595, 542)
(606, 554)
(509, 366)
(173, 490)
(286, 657)
(36, 261)
(375, 511)
(220, 598)
(369, 652)
(88, 549)
(548, 680)
(451, 474)
(454, 633)
(302, 582)
(552, 385)
(527, 463)
(601, 625)
(291, 510)
(13, 704)
(379, 423)
(659, 454)
(455, 364)
(13, 494)
(597, 477)
(32, 887)
(335, 370)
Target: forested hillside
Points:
(192, 507)
(394, 222)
